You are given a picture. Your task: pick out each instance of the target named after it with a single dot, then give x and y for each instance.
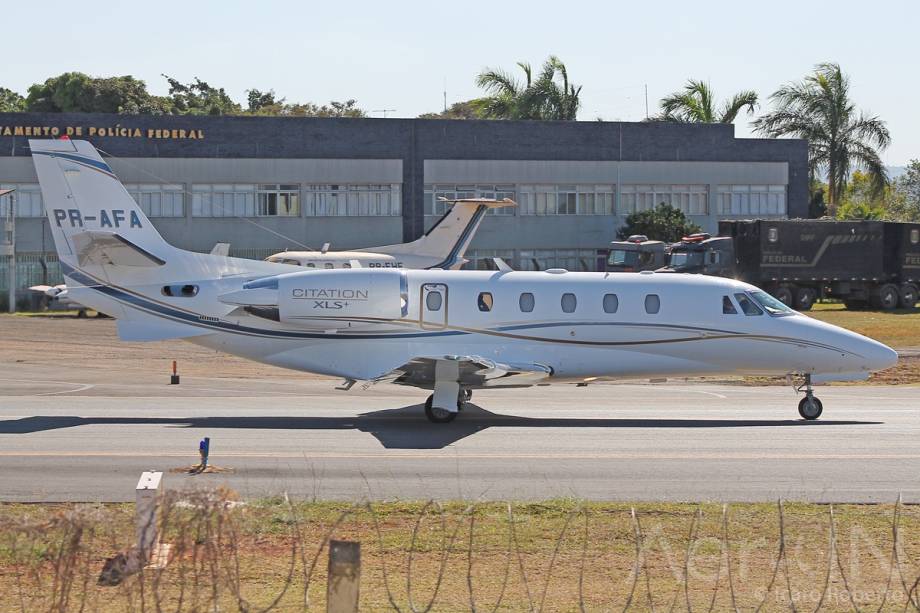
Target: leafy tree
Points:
(199, 98)
(548, 97)
(839, 136)
(467, 109)
(258, 100)
(904, 204)
(663, 223)
(75, 92)
(349, 108)
(10, 101)
(696, 103)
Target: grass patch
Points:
(561, 553)
(899, 328)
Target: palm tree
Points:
(839, 136)
(695, 103)
(548, 97)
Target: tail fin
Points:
(93, 219)
(449, 237)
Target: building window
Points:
(581, 260)
(759, 200)
(566, 199)
(158, 199)
(368, 200)
(652, 304)
(28, 197)
(526, 302)
(436, 207)
(611, 303)
(481, 259)
(569, 303)
(690, 199)
(245, 200)
(484, 302)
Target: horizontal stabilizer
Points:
(109, 248)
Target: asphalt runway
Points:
(88, 439)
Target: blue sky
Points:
(400, 55)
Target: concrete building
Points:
(266, 184)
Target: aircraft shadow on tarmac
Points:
(404, 427)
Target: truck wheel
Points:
(784, 295)
(886, 297)
(804, 298)
(908, 296)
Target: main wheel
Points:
(810, 408)
(466, 394)
(804, 298)
(886, 297)
(784, 295)
(436, 415)
(908, 297)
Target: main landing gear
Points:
(810, 407)
(438, 415)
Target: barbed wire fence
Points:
(53, 564)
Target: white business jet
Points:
(447, 331)
(443, 246)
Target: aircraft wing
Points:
(474, 371)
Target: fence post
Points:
(145, 513)
(344, 577)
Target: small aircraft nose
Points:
(878, 355)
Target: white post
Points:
(344, 580)
(145, 512)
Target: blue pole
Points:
(203, 449)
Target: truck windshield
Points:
(770, 304)
(621, 257)
(686, 259)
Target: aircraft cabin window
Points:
(433, 301)
(747, 305)
(526, 302)
(728, 308)
(311, 265)
(652, 304)
(611, 303)
(346, 265)
(328, 265)
(484, 302)
(180, 291)
(569, 303)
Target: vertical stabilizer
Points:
(86, 203)
(449, 237)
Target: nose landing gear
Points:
(810, 407)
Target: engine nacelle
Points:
(342, 298)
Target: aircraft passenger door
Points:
(433, 309)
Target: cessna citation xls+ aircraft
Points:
(447, 331)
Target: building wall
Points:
(413, 154)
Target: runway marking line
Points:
(469, 456)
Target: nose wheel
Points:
(810, 406)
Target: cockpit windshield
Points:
(770, 304)
(686, 259)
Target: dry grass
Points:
(899, 329)
(559, 555)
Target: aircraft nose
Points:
(878, 355)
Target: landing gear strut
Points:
(809, 407)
